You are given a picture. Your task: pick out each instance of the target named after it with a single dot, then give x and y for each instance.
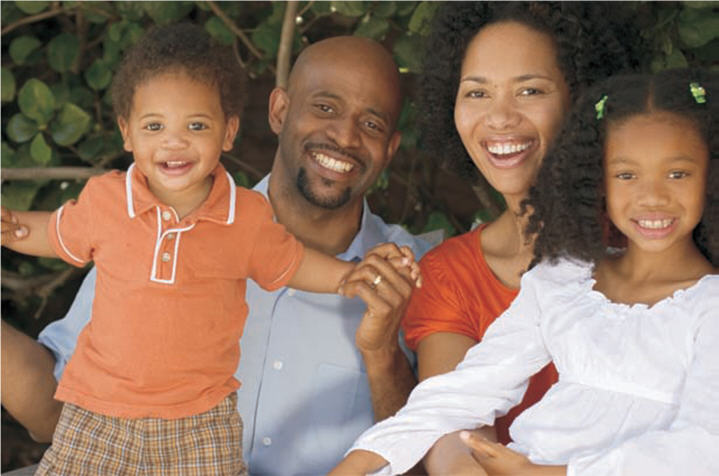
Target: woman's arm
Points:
(359, 463)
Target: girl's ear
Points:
(125, 132)
(233, 125)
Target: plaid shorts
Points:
(86, 443)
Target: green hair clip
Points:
(599, 106)
(699, 93)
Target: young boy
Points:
(150, 386)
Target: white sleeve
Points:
(61, 336)
(690, 445)
(490, 380)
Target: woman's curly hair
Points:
(179, 47)
(589, 48)
(567, 200)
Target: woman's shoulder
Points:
(458, 249)
(558, 272)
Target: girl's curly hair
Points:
(179, 47)
(589, 48)
(567, 200)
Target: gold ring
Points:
(376, 280)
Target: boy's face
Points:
(176, 131)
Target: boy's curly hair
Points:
(567, 200)
(589, 48)
(180, 47)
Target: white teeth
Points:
(507, 148)
(332, 164)
(175, 163)
(655, 224)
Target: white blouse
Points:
(638, 389)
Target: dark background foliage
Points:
(57, 126)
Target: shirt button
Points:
(291, 292)
(166, 257)
(277, 364)
(267, 441)
(170, 236)
(166, 215)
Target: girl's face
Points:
(511, 100)
(655, 178)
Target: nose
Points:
(653, 193)
(344, 132)
(502, 113)
(175, 138)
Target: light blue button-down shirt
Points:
(304, 397)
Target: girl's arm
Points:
(35, 241)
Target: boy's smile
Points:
(176, 132)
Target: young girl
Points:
(150, 387)
(633, 333)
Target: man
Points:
(316, 369)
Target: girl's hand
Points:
(498, 460)
(12, 230)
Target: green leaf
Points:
(91, 147)
(697, 27)
(20, 128)
(372, 27)
(132, 11)
(699, 4)
(98, 75)
(405, 8)
(39, 150)
(421, 20)
(407, 53)
(36, 101)
(219, 31)
(7, 155)
(676, 59)
(8, 85)
(267, 38)
(348, 9)
(82, 97)
(62, 52)
(69, 125)
(32, 8)
(164, 13)
(22, 46)
(321, 8)
(438, 220)
(19, 194)
(385, 9)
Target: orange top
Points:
(460, 294)
(169, 304)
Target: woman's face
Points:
(511, 100)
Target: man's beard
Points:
(329, 203)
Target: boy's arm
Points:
(35, 242)
(320, 273)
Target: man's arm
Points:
(28, 383)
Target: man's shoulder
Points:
(397, 234)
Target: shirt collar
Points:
(368, 235)
(219, 206)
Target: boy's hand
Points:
(12, 230)
(384, 280)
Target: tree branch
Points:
(231, 25)
(53, 173)
(57, 10)
(284, 51)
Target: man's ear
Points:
(125, 132)
(279, 104)
(233, 125)
(393, 145)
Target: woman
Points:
(496, 89)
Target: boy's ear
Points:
(279, 103)
(233, 125)
(124, 131)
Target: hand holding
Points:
(12, 229)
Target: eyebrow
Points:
(160, 115)
(326, 94)
(628, 161)
(516, 79)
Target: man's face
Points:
(336, 128)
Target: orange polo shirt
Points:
(460, 294)
(169, 304)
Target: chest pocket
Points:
(212, 257)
